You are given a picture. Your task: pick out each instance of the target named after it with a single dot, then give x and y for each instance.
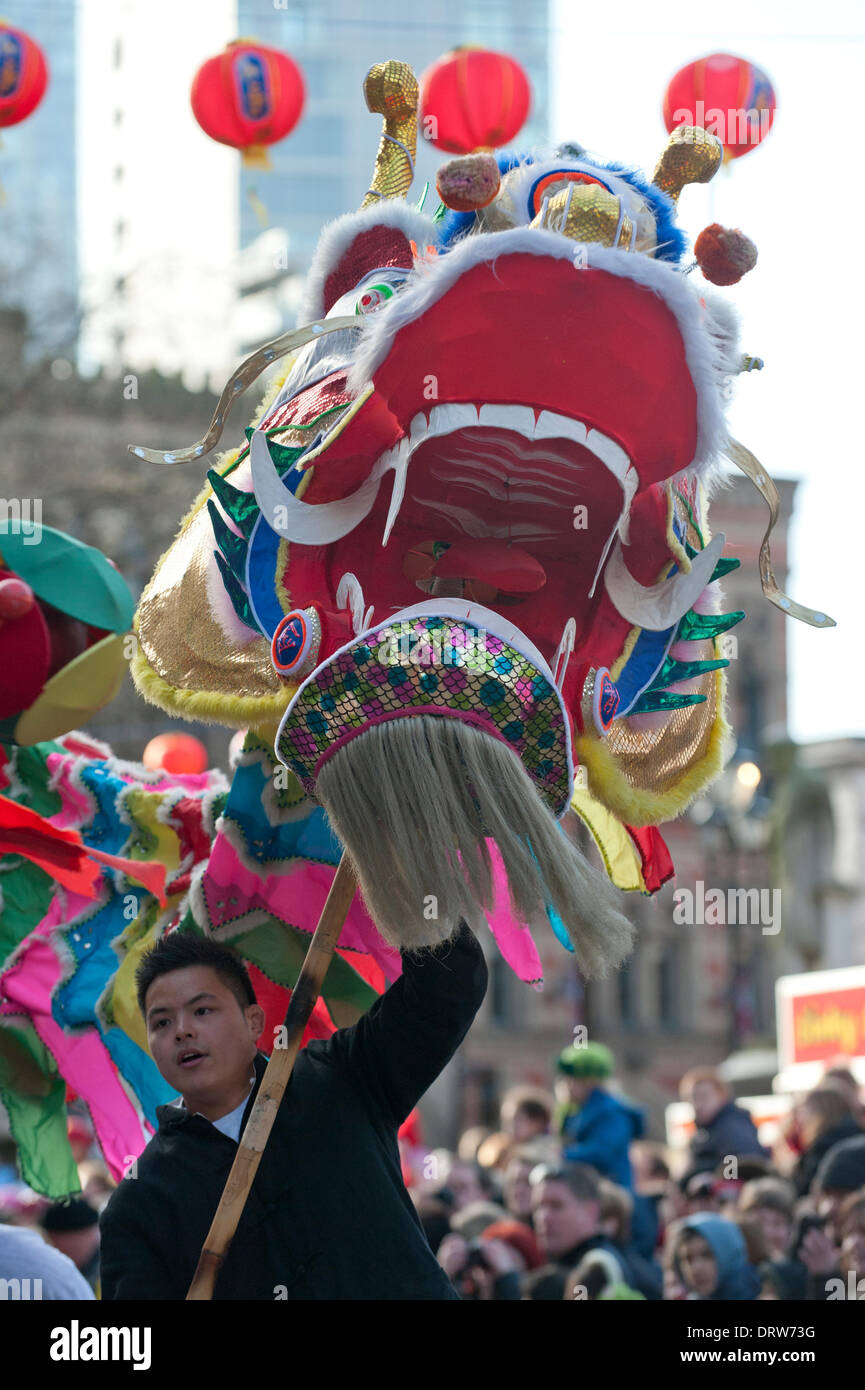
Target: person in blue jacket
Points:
(596, 1127)
(710, 1257)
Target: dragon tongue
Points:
(505, 567)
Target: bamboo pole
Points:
(273, 1084)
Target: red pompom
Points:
(468, 183)
(724, 255)
(16, 599)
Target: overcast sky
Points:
(800, 197)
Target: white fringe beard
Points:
(414, 801)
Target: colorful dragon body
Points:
(97, 858)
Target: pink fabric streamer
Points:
(82, 1058)
(232, 891)
(514, 941)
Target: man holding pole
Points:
(327, 1215)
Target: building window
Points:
(626, 981)
(668, 989)
(479, 1101)
(500, 991)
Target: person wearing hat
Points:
(816, 1244)
(841, 1172)
(596, 1127)
(73, 1229)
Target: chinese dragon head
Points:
(460, 575)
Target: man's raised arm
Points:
(408, 1036)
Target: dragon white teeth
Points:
(629, 486)
(349, 594)
(553, 426)
(318, 524)
(609, 452)
(447, 419)
(622, 526)
(418, 428)
(564, 650)
(400, 470)
(520, 418)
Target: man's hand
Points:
(453, 1254)
(500, 1257)
(818, 1252)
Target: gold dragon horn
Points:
(692, 155)
(391, 91)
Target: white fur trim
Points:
(338, 235)
(710, 339)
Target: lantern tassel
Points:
(256, 157)
(259, 208)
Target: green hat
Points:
(592, 1059)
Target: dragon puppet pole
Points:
(273, 1084)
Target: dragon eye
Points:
(372, 298)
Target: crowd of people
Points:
(568, 1200)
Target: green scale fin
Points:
(652, 700)
(240, 506)
(695, 627)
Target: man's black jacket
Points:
(328, 1215)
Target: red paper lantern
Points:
(179, 753)
(23, 75)
(727, 96)
(249, 96)
(473, 99)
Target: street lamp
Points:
(732, 815)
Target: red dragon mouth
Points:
(612, 405)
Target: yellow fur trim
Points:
(635, 805)
(283, 597)
(211, 707)
(621, 662)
